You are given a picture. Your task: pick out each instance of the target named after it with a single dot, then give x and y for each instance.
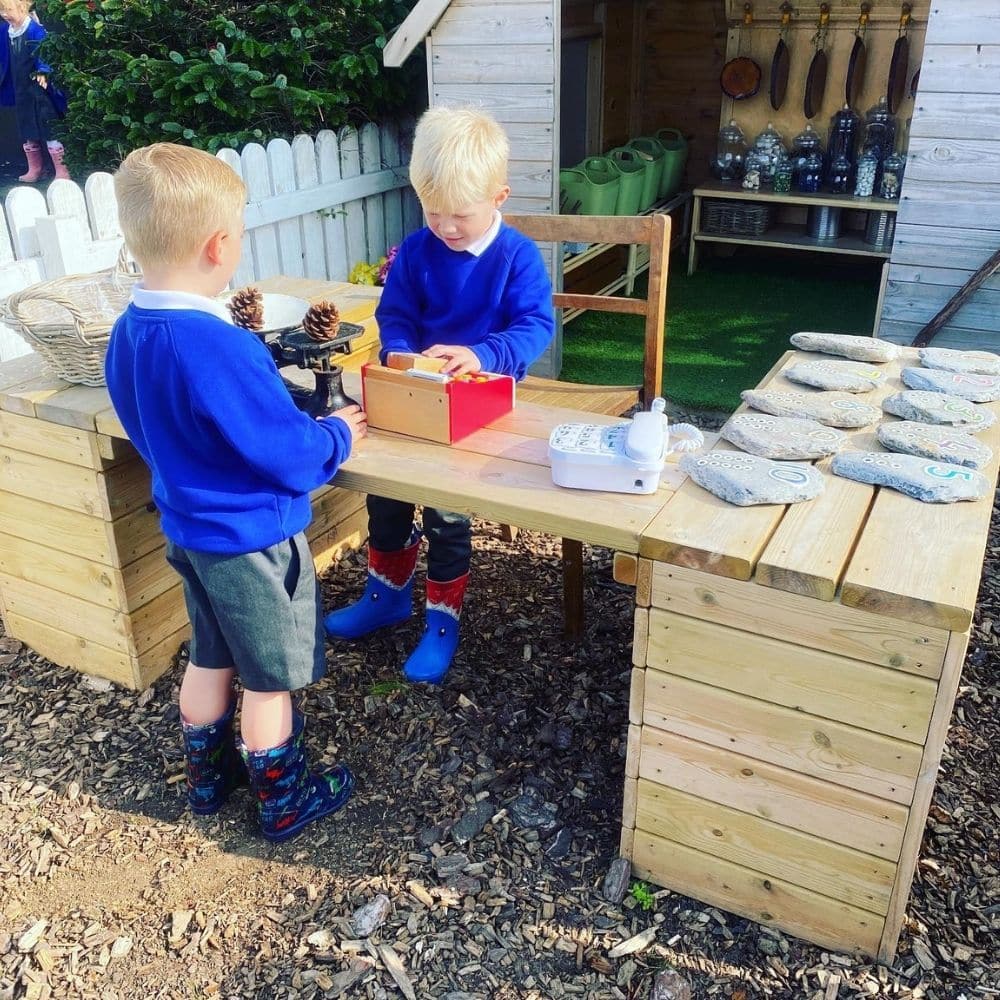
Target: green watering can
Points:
(632, 169)
(675, 154)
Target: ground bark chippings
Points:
(487, 813)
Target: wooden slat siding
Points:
(951, 219)
(62, 444)
(805, 679)
(831, 751)
(514, 64)
(791, 618)
(803, 556)
(636, 696)
(741, 890)
(819, 865)
(509, 104)
(36, 521)
(489, 24)
(934, 276)
(699, 530)
(926, 780)
(797, 801)
(640, 636)
(933, 577)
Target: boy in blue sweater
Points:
(232, 464)
(474, 292)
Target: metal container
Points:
(823, 222)
(880, 229)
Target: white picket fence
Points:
(315, 208)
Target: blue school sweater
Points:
(232, 458)
(499, 304)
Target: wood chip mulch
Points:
(487, 814)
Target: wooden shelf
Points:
(795, 238)
(733, 192)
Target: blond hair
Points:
(459, 157)
(171, 199)
(22, 5)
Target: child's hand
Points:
(355, 418)
(460, 360)
(42, 80)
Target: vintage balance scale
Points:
(306, 336)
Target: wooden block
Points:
(129, 487)
(55, 482)
(74, 406)
(70, 650)
(635, 698)
(157, 619)
(801, 678)
(77, 533)
(626, 842)
(830, 626)
(764, 899)
(644, 583)
(832, 812)
(923, 793)
(146, 578)
(329, 547)
(634, 742)
(136, 533)
(625, 568)
(36, 437)
(159, 658)
(831, 751)
(60, 572)
(398, 402)
(813, 863)
(630, 799)
(640, 637)
(26, 395)
(401, 361)
(332, 506)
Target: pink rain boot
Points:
(56, 152)
(33, 152)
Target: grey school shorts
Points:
(258, 612)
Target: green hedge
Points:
(221, 74)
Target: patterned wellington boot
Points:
(213, 765)
(33, 154)
(388, 596)
(57, 152)
(430, 661)
(289, 795)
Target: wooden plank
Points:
(804, 679)
(136, 534)
(625, 568)
(104, 626)
(38, 437)
(509, 24)
(474, 64)
(635, 697)
(630, 798)
(822, 748)
(633, 751)
(61, 572)
(305, 160)
(838, 629)
(767, 900)
(509, 103)
(626, 842)
(798, 801)
(718, 189)
(954, 116)
(74, 406)
(128, 486)
(415, 27)
(71, 486)
(959, 340)
(498, 489)
(146, 578)
(940, 246)
(25, 395)
(948, 277)
(955, 69)
(975, 21)
(644, 583)
(924, 791)
(572, 574)
(330, 546)
(157, 619)
(78, 534)
(159, 658)
(918, 303)
(940, 160)
(70, 650)
(810, 548)
(822, 866)
(933, 579)
(928, 203)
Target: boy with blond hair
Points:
(475, 293)
(232, 462)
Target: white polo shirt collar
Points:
(146, 298)
(481, 245)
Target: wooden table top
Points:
(864, 547)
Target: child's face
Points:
(459, 229)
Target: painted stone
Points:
(939, 408)
(976, 388)
(970, 362)
(845, 345)
(920, 478)
(745, 480)
(782, 437)
(849, 376)
(835, 409)
(939, 442)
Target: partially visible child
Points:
(232, 463)
(474, 292)
(24, 79)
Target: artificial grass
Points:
(726, 325)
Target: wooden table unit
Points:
(794, 672)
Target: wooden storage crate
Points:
(795, 670)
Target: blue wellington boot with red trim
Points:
(388, 596)
(212, 763)
(289, 795)
(430, 661)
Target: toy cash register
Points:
(621, 458)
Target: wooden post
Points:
(572, 560)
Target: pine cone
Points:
(322, 321)
(247, 308)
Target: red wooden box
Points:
(396, 400)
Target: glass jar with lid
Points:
(838, 173)
(843, 140)
(864, 176)
(880, 130)
(892, 176)
(783, 177)
(810, 173)
(770, 149)
(752, 172)
(806, 142)
(730, 153)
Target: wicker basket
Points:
(68, 320)
(735, 218)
